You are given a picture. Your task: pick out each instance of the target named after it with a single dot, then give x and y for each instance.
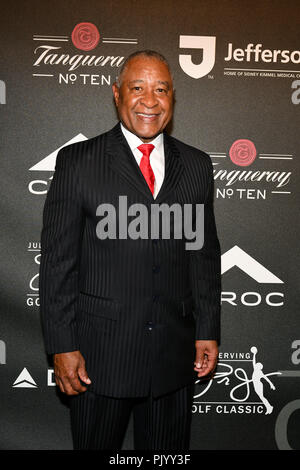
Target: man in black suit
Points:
(131, 319)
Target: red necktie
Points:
(145, 166)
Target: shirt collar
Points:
(134, 141)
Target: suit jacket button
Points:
(149, 325)
(156, 269)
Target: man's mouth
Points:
(147, 116)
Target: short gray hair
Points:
(145, 53)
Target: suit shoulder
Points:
(192, 154)
(82, 150)
(82, 146)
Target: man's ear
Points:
(116, 93)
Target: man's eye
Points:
(137, 88)
(161, 90)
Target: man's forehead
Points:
(137, 64)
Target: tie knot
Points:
(146, 149)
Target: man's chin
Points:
(149, 139)
(144, 132)
(149, 135)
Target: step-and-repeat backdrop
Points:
(236, 68)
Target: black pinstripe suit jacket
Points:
(99, 296)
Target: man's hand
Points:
(206, 357)
(68, 368)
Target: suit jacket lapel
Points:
(123, 161)
(173, 169)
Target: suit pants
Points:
(99, 422)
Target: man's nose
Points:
(149, 99)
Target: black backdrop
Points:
(243, 111)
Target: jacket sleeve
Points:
(205, 272)
(61, 235)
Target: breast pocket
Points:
(102, 307)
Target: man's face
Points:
(145, 97)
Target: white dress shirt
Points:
(157, 156)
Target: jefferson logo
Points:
(257, 53)
(261, 62)
(208, 45)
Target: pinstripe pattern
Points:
(98, 295)
(163, 423)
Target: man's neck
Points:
(131, 137)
